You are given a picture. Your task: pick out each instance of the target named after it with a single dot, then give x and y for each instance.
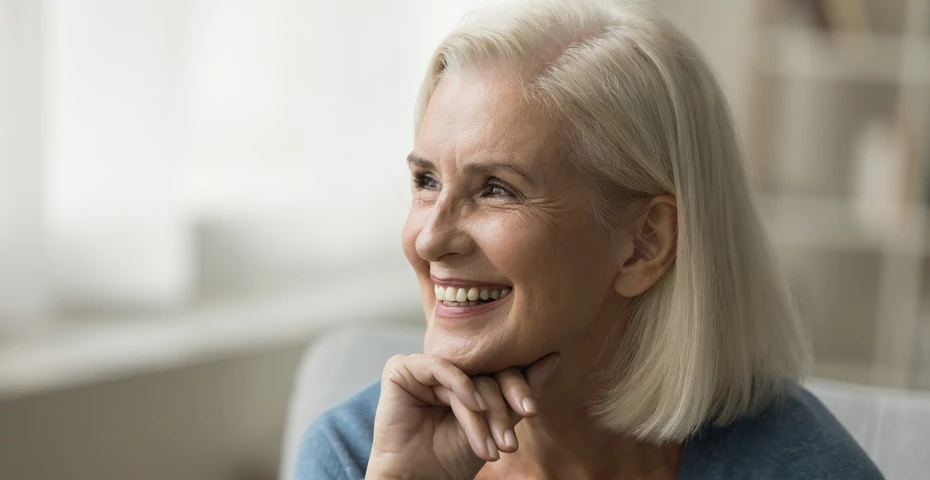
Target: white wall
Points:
(21, 148)
(114, 80)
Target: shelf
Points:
(96, 351)
(868, 375)
(860, 373)
(801, 53)
(810, 221)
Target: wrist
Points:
(382, 469)
(387, 474)
(391, 466)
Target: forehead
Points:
(480, 114)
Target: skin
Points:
(497, 203)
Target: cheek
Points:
(528, 249)
(562, 267)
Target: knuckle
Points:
(509, 373)
(395, 360)
(485, 383)
(462, 383)
(459, 382)
(437, 362)
(392, 365)
(515, 385)
(519, 389)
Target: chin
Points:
(476, 354)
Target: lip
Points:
(460, 282)
(458, 313)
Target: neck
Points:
(566, 441)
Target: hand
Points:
(435, 422)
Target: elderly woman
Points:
(600, 298)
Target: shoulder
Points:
(338, 443)
(797, 438)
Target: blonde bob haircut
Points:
(718, 337)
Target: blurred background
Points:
(191, 191)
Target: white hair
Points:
(718, 337)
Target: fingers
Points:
(517, 391)
(474, 425)
(486, 408)
(418, 374)
(500, 418)
(515, 385)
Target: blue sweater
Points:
(798, 440)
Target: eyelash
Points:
(492, 184)
(423, 181)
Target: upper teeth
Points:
(460, 295)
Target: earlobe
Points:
(633, 282)
(623, 284)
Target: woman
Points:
(600, 298)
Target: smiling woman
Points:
(581, 222)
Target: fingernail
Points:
(492, 449)
(510, 439)
(481, 403)
(529, 406)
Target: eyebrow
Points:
(481, 167)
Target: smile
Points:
(467, 297)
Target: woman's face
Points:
(498, 207)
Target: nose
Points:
(443, 234)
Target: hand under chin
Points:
(479, 358)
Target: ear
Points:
(649, 249)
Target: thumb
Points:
(538, 374)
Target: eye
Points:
(495, 188)
(425, 181)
